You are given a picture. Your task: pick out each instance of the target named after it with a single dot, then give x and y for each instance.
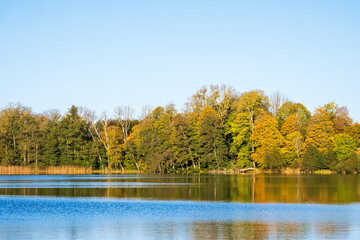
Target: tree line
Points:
(219, 129)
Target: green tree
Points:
(330, 160)
(248, 107)
(349, 164)
(74, 140)
(274, 159)
(212, 149)
(17, 127)
(345, 145)
(312, 160)
(51, 148)
(241, 145)
(183, 140)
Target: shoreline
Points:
(76, 170)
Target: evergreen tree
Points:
(183, 141)
(74, 140)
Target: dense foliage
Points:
(219, 129)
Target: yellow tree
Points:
(220, 98)
(266, 138)
(115, 147)
(297, 109)
(249, 106)
(132, 146)
(241, 146)
(320, 132)
(291, 130)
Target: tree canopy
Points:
(218, 129)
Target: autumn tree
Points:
(241, 146)
(248, 107)
(115, 149)
(297, 109)
(342, 121)
(150, 141)
(291, 130)
(330, 108)
(220, 98)
(356, 134)
(267, 140)
(20, 136)
(132, 149)
(320, 132)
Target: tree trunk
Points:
(252, 143)
(122, 169)
(36, 156)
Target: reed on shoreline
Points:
(59, 170)
(52, 170)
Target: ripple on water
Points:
(93, 218)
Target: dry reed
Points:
(23, 170)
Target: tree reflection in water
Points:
(328, 189)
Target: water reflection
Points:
(332, 189)
(100, 218)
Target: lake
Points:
(179, 207)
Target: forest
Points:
(219, 129)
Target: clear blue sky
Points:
(101, 54)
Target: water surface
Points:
(325, 189)
(179, 207)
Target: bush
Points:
(349, 164)
(330, 160)
(312, 160)
(274, 160)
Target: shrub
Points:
(274, 160)
(330, 160)
(312, 160)
(349, 164)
